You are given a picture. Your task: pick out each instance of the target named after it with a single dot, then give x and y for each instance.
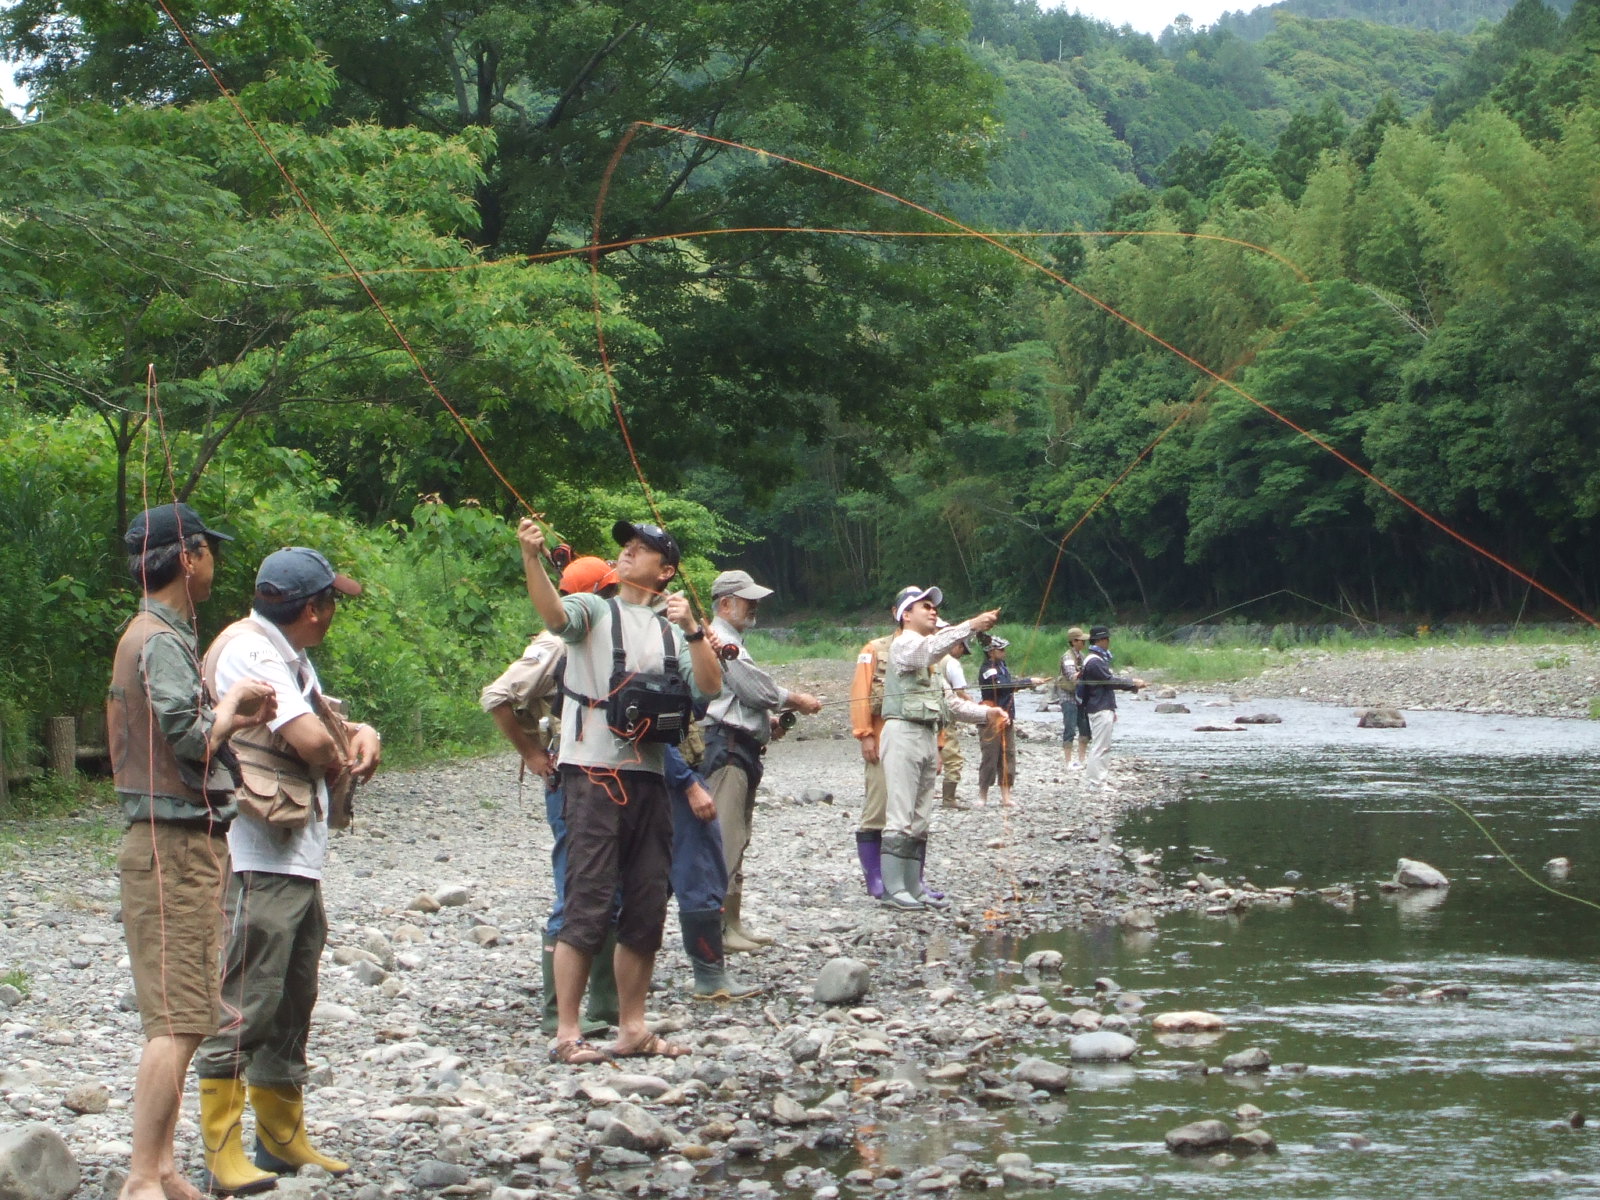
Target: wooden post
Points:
(5, 790)
(416, 730)
(61, 742)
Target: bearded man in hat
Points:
(166, 735)
(292, 794)
(738, 728)
(917, 704)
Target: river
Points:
(1465, 1097)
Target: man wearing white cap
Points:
(738, 727)
(916, 705)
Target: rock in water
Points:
(1411, 872)
(1042, 1073)
(1381, 718)
(1558, 868)
(842, 981)
(1253, 1059)
(1102, 1046)
(35, 1164)
(1187, 1022)
(1198, 1137)
(1259, 719)
(1171, 706)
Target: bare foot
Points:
(138, 1188)
(175, 1186)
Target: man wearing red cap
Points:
(279, 844)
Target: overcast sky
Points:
(1152, 16)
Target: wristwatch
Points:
(699, 635)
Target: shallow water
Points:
(1461, 1098)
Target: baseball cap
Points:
(1098, 632)
(298, 573)
(587, 574)
(908, 596)
(738, 583)
(653, 536)
(164, 525)
(996, 643)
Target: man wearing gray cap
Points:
(296, 774)
(166, 735)
(738, 727)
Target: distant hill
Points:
(1440, 16)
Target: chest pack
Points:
(643, 706)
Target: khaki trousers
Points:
(736, 810)
(1100, 723)
(877, 805)
(910, 761)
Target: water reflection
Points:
(1465, 1095)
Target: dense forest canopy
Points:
(1387, 235)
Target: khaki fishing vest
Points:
(917, 697)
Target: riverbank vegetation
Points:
(1385, 235)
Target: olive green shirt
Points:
(169, 667)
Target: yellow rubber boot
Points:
(281, 1143)
(228, 1171)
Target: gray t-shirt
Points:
(586, 739)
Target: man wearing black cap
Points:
(738, 728)
(164, 736)
(619, 818)
(916, 705)
(296, 775)
(1097, 692)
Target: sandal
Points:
(653, 1046)
(576, 1052)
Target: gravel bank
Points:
(1547, 681)
(431, 1075)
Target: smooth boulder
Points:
(1193, 1021)
(1198, 1137)
(36, 1164)
(1381, 718)
(1102, 1046)
(1414, 873)
(842, 981)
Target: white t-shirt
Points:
(269, 657)
(954, 675)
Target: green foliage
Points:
(18, 978)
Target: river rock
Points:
(1102, 1046)
(10, 996)
(1193, 1021)
(88, 1098)
(35, 1164)
(1172, 706)
(1043, 960)
(842, 981)
(452, 895)
(1042, 1073)
(632, 1128)
(1138, 919)
(1413, 873)
(1259, 719)
(434, 1175)
(1381, 718)
(1558, 868)
(1253, 1059)
(1198, 1137)
(1219, 728)
(648, 1086)
(1253, 1141)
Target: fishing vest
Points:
(269, 764)
(144, 767)
(879, 649)
(917, 696)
